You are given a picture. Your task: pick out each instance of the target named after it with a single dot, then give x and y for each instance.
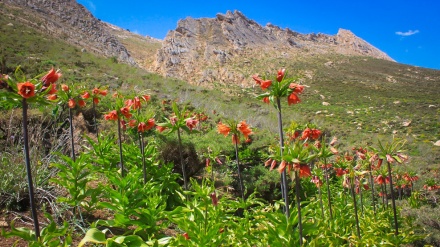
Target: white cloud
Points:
(409, 33)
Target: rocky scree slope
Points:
(70, 21)
(227, 48)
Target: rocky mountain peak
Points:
(205, 50)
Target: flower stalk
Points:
(238, 171)
(121, 159)
(72, 141)
(396, 226)
(29, 170)
(284, 188)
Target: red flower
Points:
(103, 92)
(123, 125)
(128, 103)
(214, 199)
(85, 95)
(379, 163)
(390, 159)
(52, 97)
(334, 150)
(282, 166)
(113, 116)
(64, 87)
(126, 112)
(207, 162)
(296, 88)
(191, 123)
(265, 84)
(293, 99)
(317, 181)
(326, 166)
(186, 236)
(26, 89)
(266, 100)
(160, 128)
(95, 91)
(51, 77)
(257, 79)
(53, 89)
(380, 180)
(95, 100)
(267, 162)
(334, 140)
(81, 103)
(223, 129)
(307, 133)
(403, 157)
(316, 133)
(244, 129)
(71, 103)
(272, 165)
(317, 144)
(218, 161)
(339, 171)
(132, 123)
(150, 123)
(360, 155)
(304, 170)
(173, 120)
(146, 97)
(280, 75)
(136, 103)
(142, 127)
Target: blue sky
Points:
(408, 31)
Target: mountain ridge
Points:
(196, 46)
(72, 22)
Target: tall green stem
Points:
(329, 198)
(393, 200)
(372, 190)
(94, 120)
(386, 194)
(72, 141)
(29, 170)
(284, 188)
(320, 202)
(120, 147)
(238, 170)
(361, 197)
(298, 205)
(353, 195)
(144, 168)
(181, 160)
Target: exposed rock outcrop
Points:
(68, 20)
(209, 50)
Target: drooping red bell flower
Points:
(26, 89)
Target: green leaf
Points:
(93, 235)
(22, 232)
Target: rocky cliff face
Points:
(68, 20)
(220, 49)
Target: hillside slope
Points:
(67, 20)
